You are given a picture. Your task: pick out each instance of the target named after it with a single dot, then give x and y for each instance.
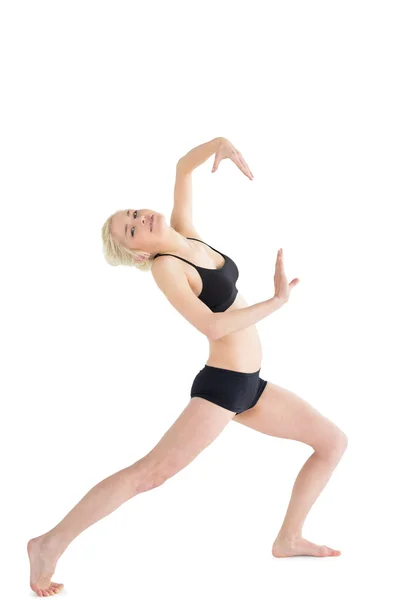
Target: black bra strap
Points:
(190, 263)
(180, 258)
(190, 238)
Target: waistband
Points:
(231, 371)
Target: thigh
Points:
(197, 426)
(281, 413)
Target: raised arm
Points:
(198, 155)
(181, 216)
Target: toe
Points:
(331, 551)
(324, 551)
(54, 589)
(37, 590)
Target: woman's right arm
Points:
(229, 322)
(234, 320)
(173, 282)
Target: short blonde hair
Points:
(116, 254)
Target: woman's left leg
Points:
(283, 414)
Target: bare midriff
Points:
(238, 351)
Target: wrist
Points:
(198, 155)
(278, 302)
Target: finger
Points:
(245, 168)
(216, 164)
(246, 165)
(236, 160)
(240, 163)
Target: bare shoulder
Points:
(171, 278)
(169, 264)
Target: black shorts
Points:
(233, 390)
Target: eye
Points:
(133, 229)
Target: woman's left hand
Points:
(227, 150)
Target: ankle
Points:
(289, 535)
(54, 543)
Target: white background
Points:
(98, 102)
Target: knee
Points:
(149, 482)
(335, 444)
(146, 476)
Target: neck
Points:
(176, 243)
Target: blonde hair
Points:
(116, 254)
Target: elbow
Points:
(179, 165)
(212, 331)
(182, 166)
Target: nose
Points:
(146, 220)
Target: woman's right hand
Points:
(282, 287)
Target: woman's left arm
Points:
(196, 157)
(181, 216)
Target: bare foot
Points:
(43, 563)
(284, 548)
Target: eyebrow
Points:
(126, 226)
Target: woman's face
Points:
(138, 229)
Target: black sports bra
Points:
(219, 290)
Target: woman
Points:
(201, 285)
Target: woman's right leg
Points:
(198, 425)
